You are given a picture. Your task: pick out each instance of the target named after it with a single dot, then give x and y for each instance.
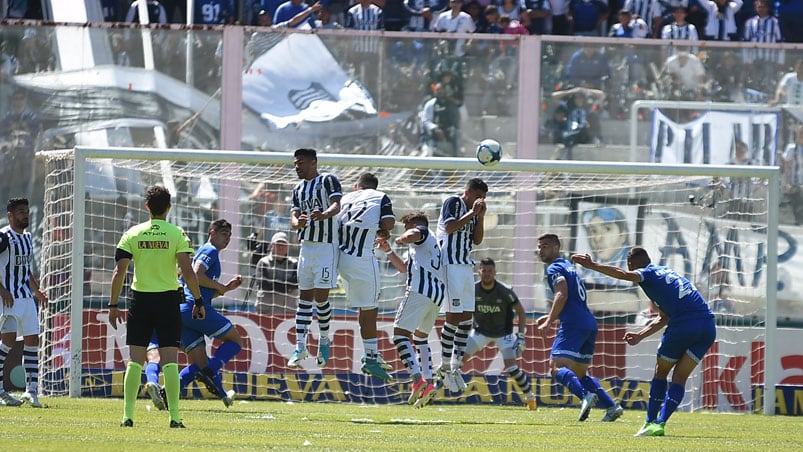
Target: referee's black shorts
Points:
(155, 312)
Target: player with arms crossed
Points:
(316, 202)
(690, 330)
(422, 301)
(20, 292)
(493, 324)
(155, 246)
(365, 214)
(207, 269)
(460, 227)
(574, 344)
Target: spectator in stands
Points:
(721, 25)
(576, 118)
(629, 26)
(17, 9)
(790, 88)
(325, 21)
(289, 9)
(454, 21)
(113, 10)
(368, 17)
(764, 63)
(587, 17)
(34, 53)
(440, 125)
(649, 11)
(475, 10)
(540, 13)
(214, 12)
(119, 46)
(728, 84)
(19, 130)
(422, 13)
(683, 76)
(269, 6)
(277, 282)
(790, 16)
(560, 17)
(741, 189)
(157, 14)
(588, 67)
(679, 30)
(793, 175)
(511, 8)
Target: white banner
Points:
(284, 87)
(710, 138)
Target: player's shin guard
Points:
(657, 395)
(324, 314)
(170, 371)
(460, 341)
(407, 354)
(569, 379)
(303, 322)
(520, 378)
(152, 370)
(223, 354)
(187, 375)
(30, 361)
(673, 398)
(447, 344)
(371, 347)
(424, 356)
(592, 385)
(131, 383)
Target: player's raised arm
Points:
(614, 272)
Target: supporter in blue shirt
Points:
(289, 9)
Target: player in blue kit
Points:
(690, 330)
(574, 344)
(206, 264)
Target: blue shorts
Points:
(193, 331)
(692, 337)
(575, 344)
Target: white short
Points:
(317, 265)
(416, 312)
(477, 341)
(361, 279)
(460, 287)
(22, 317)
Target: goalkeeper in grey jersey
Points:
(493, 323)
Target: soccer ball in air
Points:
(489, 152)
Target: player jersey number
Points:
(674, 278)
(581, 288)
(210, 13)
(436, 261)
(356, 217)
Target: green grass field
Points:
(93, 424)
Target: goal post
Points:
(682, 214)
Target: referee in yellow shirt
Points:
(157, 247)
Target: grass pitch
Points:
(93, 424)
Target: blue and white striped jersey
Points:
(317, 194)
(456, 247)
(370, 18)
(425, 267)
(16, 256)
(361, 212)
(763, 30)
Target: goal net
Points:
(695, 219)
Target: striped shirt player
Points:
(680, 30)
(20, 290)
(690, 330)
(316, 203)
(365, 214)
(416, 314)
(460, 227)
(574, 344)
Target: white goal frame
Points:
(771, 174)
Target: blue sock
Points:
(673, 399)
(223, 354)
(187, 374)
(152, 372)
(592, 385)
(657, 395)
(569, 379)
